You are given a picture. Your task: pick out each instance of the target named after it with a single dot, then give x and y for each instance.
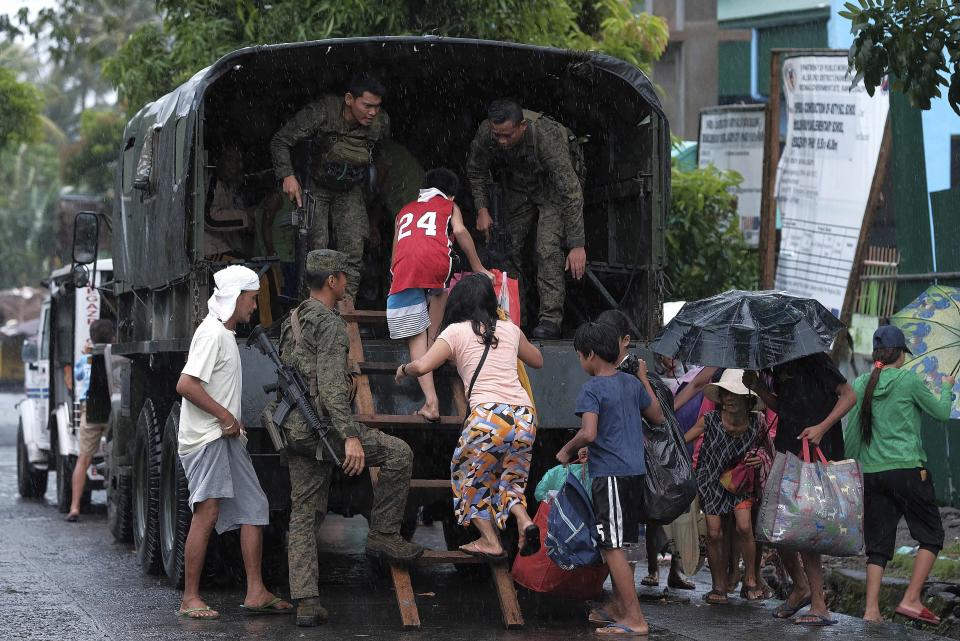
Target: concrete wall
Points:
(687, 72)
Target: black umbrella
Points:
(748, 330)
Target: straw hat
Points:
(731, 381)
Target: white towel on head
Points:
(230, 281)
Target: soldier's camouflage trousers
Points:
(309, 489)
(524, 213)
(347, 213)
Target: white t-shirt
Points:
(214, 358)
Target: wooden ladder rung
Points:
(430, 484)
(502, 581)
(365, 316)
(376, 420)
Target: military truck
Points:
(438, 89)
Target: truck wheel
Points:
(146, 484)
(64, 482)
(175, 512)
(119, 501)
(31, 483)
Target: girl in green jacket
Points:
(883, 435)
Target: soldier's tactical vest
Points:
(345, 156)
(573, 142)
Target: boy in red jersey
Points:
(422, 264)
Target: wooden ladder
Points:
(366, 413)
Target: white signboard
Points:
(731, 138)
(824, 176)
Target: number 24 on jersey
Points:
(426, 222)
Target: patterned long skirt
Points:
(492, 461)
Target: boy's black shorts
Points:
(894, 493)
(618, 505)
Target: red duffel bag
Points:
(539, 573)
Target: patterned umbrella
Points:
(748, 330)
(931, 324)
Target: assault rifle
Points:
(302, 220)
(500, 244)
(291, 391)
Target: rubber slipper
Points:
(599, 616)
(924, 615)
(814, 621)
(531, 540)
(719, 598)
(784, 611)
(618, 630)
(651, 581)
(72, 518)
(750, 593)
(270, 607)
(186, 614)
(486, 556)
(681, 584)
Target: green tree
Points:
(195, 33)
(20, 106)
(706, 253)
(915, 42)
(89, 164)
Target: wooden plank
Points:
(507, 594)
(406, 600)
(376, 420)
(771, 157)
(430, 484)
(440, 557)
(364, 398)
(366, 316)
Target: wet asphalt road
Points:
(61, 581)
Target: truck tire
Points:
(147, 442)
(31, 483)
(119, 500)
(175, 512)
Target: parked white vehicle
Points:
(55, 362)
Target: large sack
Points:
(669, 484)
(816, 507)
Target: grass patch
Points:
(945, 568)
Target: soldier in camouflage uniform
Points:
(541, 190)
(314, 340)
(346, 130)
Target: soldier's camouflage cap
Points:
(326, 261)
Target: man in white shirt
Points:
(224, 490)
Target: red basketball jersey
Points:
(423, 245)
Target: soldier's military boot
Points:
(392, 547)
(310, 613)
(546, 330)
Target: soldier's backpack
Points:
(573, 142)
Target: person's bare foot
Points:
(430, 412)
(873, 616)
(483, 547)
(628, 627)
(195, 608)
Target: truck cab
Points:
(56, 380)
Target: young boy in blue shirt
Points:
(610, 406)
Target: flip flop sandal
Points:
(486, 556)
(681, 584)
(72, 518)
(188, 614)
(600, 617)
(784, 611)
(531, 540)
(619, 630)
(651, 581)
(715, 597)
(270, 607)
(923, 616)
(814, 621)
(752, 593)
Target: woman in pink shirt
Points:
(492, 461)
